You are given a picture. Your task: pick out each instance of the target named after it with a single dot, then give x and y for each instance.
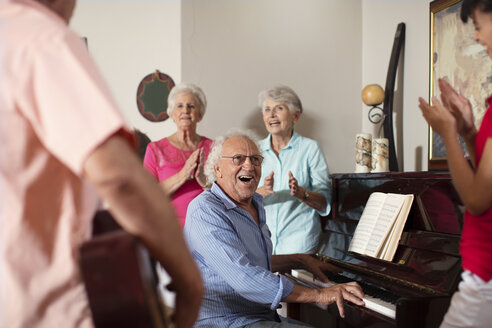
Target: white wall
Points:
(235, 49)
(380, 18)
(130, 39)
(327, 50)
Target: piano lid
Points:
(427, 260)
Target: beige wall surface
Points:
(380, 19)
(130, 39)
(235, 49)
(327, 50)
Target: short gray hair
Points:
(216, 152)
(191, 88)
(281, 93)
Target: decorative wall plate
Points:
(152, 95)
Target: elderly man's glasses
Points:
(256, 160)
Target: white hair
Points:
(216, 153)
(191, 88)
(283, 94)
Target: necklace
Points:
(182, 145)
(183, 154)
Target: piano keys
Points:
(376, 299)
(417, 285)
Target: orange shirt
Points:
(55, 110)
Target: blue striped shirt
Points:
(233, 255)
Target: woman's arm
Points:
(473, 186)
(319, 196)
(310, 198)
(174, 182)
(461, 109)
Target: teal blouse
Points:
(295, 227)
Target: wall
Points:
(327, 50)
(234, 49)
(130, 39)
(380, 18)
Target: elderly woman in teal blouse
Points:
(294, 184)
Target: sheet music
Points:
(376, 222)
(389, 250)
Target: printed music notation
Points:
(381, 224)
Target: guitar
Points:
(120, 279)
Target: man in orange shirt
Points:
(63, 141)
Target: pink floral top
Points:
(163, 160)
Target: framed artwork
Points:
(455, 56)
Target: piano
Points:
(413, 290)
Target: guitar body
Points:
(120, 282)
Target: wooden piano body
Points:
(427, 265)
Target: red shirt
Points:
(476, 239)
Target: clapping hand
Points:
(267, 188)
(200, 170)
(293, 185)
(461, 109)
(191, 164)
(439, 117)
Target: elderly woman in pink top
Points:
(177, 161)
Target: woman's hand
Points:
(191, 164)
(439, 118)
(312, 199)
(294, 187)
(461, 109)
(200, 170)
(267, 188)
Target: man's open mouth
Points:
(245, 178)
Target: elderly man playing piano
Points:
(230, 241)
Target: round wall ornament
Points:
(152, 95)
